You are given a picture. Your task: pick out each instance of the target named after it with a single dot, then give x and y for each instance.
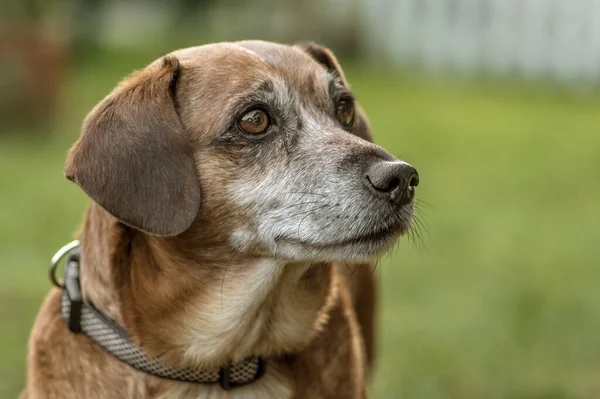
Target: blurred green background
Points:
(498, 299)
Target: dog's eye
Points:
(255, 121)
(345, 113)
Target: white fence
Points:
(537, 38)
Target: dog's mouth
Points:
(373, 237)
(381, 237)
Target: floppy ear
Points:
(133, 157)
(323, 56)
(326, 58)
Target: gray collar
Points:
(84, 318)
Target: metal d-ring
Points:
(61, 253)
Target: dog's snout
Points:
(396, 180)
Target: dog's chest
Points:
(259, 308)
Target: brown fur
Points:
(157, 256)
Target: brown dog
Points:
(233, 186)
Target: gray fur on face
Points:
(306, 193)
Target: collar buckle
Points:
(73, 289)
(58, 256)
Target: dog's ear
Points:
(133, 157)
(323, 56)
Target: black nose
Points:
(396, 180)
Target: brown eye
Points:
(345, 113)
(255, 121)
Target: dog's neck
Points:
(201, 308)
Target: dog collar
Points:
(82, 317)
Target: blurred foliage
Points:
(498, 300)
(39, 38)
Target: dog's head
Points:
(256, 146)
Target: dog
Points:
(237, 207)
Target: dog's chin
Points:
(360, 248)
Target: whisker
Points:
(306, 278)
(306, 193)
(352, 271)
(296, 205)
(416, 235)
(316, 257)
(301, 212)
(375, 268)
(423, 203)
(422, 225)
(419, 209)
(307, 215)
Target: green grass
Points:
(500, 301)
